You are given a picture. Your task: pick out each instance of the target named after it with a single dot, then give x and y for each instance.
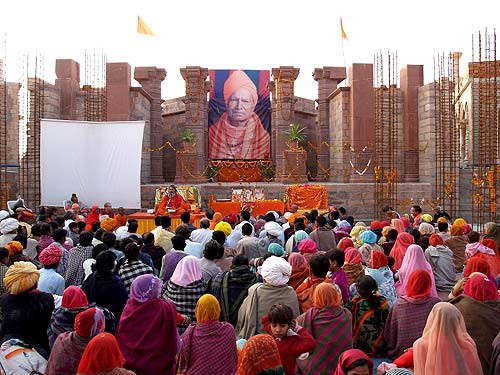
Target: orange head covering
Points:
(101, 354)
(216, 220)
(236, 80)
(457, 230)
(259, 354)
(481, 288)
(14, 247)
(419, 284)
(476, 264)
(460, 222)
(207, 309)
(445, 346)
(108, 224)
(325, 294)
(378, 259)
(435, 240)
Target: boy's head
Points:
(473, 237)
(319, 265)
(280, 318)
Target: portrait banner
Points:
(239, 117)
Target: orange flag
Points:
(342, 32)
(142, 28)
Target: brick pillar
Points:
(328, 78)
(362, 117)
(283, 115)
(68, 82)
(412, 77)
(197, 88)
(118, 82)
(150, 78)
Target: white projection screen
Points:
(99, 161)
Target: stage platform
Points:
(357, 198)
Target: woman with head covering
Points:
(488, 251)
(445, 346)
(457, 244)
(69, 346)
(25, 310)
(144, 316)
(398, 225)
(440, 258)
(102, 356)
(291, 245)
(216, 220)
(330, 325)
(413, 260)
(74, 301)
(300, 269)
(261, 296)
(472, 265)
(353, 362)
(103, 287)
(260, 356)
(208, 347)
(369, 312)
(345, 243)
(369, 244)
(353, 266)
(356, 233)
(491, 231)
(399, 249)
(378, 268)
(406, 320)
(480, 309)
(343, 230)
(185, 287)
(307, 248)
(426, 230)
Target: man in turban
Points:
(26, 313)
(50, 281)
(8, 229)
(261, 296)
(239, 133)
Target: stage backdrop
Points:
(239, 117)
(99, 161)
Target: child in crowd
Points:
(292, 340)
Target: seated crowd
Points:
(288, 293)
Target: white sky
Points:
(224, 34)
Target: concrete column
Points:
(283, 105)
(68, 82)
(197, 88)
(412, 77)
(150, 78)
(118, 83)
(328, 79)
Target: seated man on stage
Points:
(172, 202)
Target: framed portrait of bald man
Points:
(239, 115)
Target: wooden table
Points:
(146, 221)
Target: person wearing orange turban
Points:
(239, 133)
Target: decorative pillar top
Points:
(143, 73)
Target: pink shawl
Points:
(445, 346)
(398, 225)
(187, 271)
(414, 260)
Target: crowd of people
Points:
(283, 293)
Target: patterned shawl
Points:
(331, 328)
(208, 348)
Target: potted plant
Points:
(296, 135)
(187, 139)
